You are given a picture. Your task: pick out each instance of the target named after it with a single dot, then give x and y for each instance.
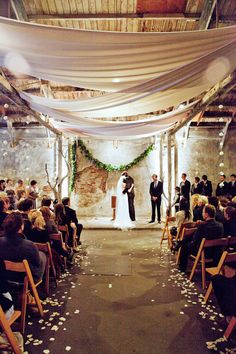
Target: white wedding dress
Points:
(122, 220)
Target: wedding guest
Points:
(3, 214)
(156, 190)
(25, 206)
(210, 229)
(206, 186)
(232, 186)
(14, 247)
(184, 213)
(33, 192)
(176, 199)
(197, 212)
(185, 186)
(129, 189)
(196, 186)
(2, 185)
(12, 199)
(222, 186)
(72, 220)
(230, 223)
(20, 189)
(225, 292)
(194, 201)
(38, 232)
(9, 185)
(219, 214)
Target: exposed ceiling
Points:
(113, 15)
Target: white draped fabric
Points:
(109, 61)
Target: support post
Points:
(169, 169)
(176, 162)
(161, 157)
(59, 160)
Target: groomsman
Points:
(206, 186)
(222, 186)
(196, 186)
(232, 185)
(185, 186)
(156, 190)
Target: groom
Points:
(129, 189)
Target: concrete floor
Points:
(124, 297)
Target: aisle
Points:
(126, 298)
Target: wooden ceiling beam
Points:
(208, 8)
(19, 10)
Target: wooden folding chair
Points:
(185, 234)
(46, 249)
(185, 225)
(58, 237)
(230, 327)
(225, 259)
(65, 231)
(5, 324)
(200, 257)
(166, 231)
(28, 284)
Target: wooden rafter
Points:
(19, 10)
(208, 8)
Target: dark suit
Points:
(185, 189)
(206, 188)
(222, 190)
(196, 189)
(225, 292)
(209, 230)
(128, 184)
(71, 217)
(156, 192)
(232, 188)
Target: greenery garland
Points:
(73, 166)
(109, 167)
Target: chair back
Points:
(5, 324)
(220, 242)
(171, 219)
(188, 232)
(64, 229)
(231, 241)
(56, 237)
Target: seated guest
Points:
(230, 223)
(14, 247)
(184, 214)
(5, 296)
(38, 232)
(222, 186)
(12, 199)
(196, 187)
(225, 292)
(24, 206)
(3, 214)
(47, 202)
(232, 186)
(72, 219)
(206, 186)
(194, 201)
(2, 185)
(219, 214)
(197, 212)
(9, 185)
(20, 189)
(210, 229)
(223, 203)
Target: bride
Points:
(122, 220)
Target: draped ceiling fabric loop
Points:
(109, 61)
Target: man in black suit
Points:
(232, 185)
(206, 186)
(185, 186)
(156, 190)
(196, 186)
(72, 218)
(129, 189)
(209, 229)
(222, 186)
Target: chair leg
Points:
(193, 269)
(9, 334)
(203, 271)
(24, 306)
(47, 273)
(163, 233)
(230, 327)
(208, 292)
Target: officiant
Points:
(156, 190)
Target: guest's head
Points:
(33, 183)
(222, 178)
(21, 195)
(202, 200)
(194, 200)
(25, 205)
(154, 177)
(223, 201)
(36, 219)
(46, 213)
(177, 189)
(230, 213)
(184, 176)
(233, 177)
(7, 203)
(196, 180)
(204, 177)
(46, 201)
(2, 184)
(125, 173)
(9, 182)
(59, 210)
(232, 204)
(66, 201)
(13, 224)
(213, 201)
(209, 212)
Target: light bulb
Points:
(5, 142)
(221, 134)
(221, 119)
(220, 106)
(5, 117)
(6, 105)
(221, 173)
(221, 164)
(221, 153)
